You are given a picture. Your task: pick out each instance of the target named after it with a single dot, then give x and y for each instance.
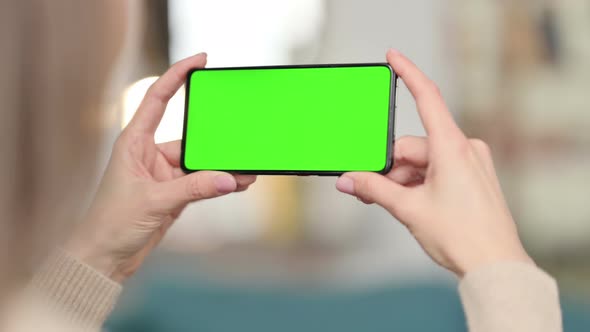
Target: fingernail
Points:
(345, 185)
(201, 54)
(393, 51)
(225, 183)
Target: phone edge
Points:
(390, 130)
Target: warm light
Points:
(268, 30)
(170, 128)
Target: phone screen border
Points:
(390, 124)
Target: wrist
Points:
(91, 253)
(480, 261)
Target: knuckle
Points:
(463, 148)
(195, 189)
(403, 141)
(434, 88)
(404, 138)
(399, 152)
(411, 148)
(151, 91)
(360, 184)
(363, 189)
(132, 143)
(154, 94)
(480, 146)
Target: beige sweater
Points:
(504, 297)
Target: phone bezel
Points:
(390, 129)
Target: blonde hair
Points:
(54, 65)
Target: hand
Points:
(443, 187)
(143, 189)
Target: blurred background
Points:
(292, 253)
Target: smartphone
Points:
(290, 120)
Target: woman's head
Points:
(55, 65)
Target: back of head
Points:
(55, 62)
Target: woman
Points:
(443, 188)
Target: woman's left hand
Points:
(144, 190)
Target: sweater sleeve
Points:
(78, 293)
(510, 296)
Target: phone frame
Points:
(390, 122)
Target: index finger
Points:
(151, 110)
(435, 116)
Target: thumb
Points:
(197, 186)
(373, 188)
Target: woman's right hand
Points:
(443, 187)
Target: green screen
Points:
(321, 119)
